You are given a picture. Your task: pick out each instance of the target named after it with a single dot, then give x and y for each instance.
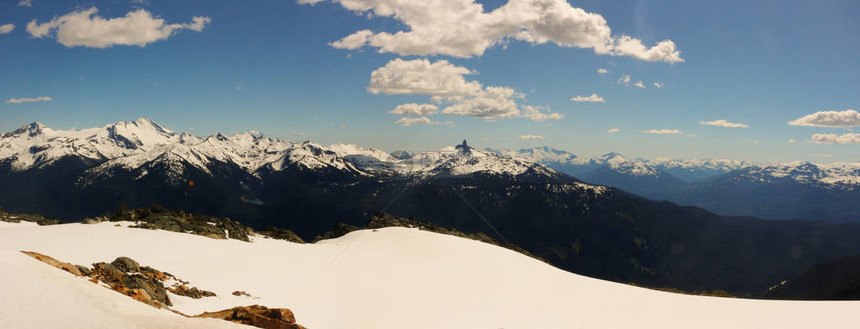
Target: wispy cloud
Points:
(602, 71)
(530, 138)
(723, 123)
(843, 119)
(662, 131)
(658, 85)
(85, 28)
(639, 84)
(850, 138)
(28, 100)
(613, 130)
(591, 98)
(422, 120)
(25, 3)
(625, 80)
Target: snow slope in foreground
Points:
(389, 278)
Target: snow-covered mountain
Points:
(838, 175)
(692, 170)
(143, 143)
(386, 278)
(36, 145)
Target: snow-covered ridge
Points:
(381, 279)
(836, 175)
(141, 143)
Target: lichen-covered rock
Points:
(257, 316)
(126, 264)
(193, 292)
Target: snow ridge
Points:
(140, 144)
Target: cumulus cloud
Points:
(492, 103)
(420, 76)
(658, 85)
(28, 100)
(446, 82)
(662, 131)
(847, 118)
(6, 28)
(639, 84)
(602, 71)
(625, 80)
(613, 130)
(85, 28)
(415, 109)
(540, 113)
(422, 120)
(723, 123)
(530, 138)
(851, 138)
(25, 3)
(591, 98)
(461, 28)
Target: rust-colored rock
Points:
(257, 316)
(193, 292)
(55, 263)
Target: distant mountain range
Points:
(795, 190)
(261, 181)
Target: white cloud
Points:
(613, 130)
(420, 76)
(445, 82)
(658, 85)
(492, 103)
(25, 3)
(602, 71)
(530, 138)
(662, 131)
(624, 80)
(415, 109)
(847, 118)
(461, 28)
(6, 28)
(85, 28)
(639, 84)
(851, 138)
(422, 120)
(792, 141)
(723, 123)
(28, 100)
(540, 113)
(591, 98)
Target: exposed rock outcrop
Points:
(17, 218)
(257, 316)
(157, 217)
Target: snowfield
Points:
(389, 278)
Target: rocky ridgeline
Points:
(382, 220)
(17, 218)
(157, 217)
(147, 285)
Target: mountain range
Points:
(260, 181)
(794, 190)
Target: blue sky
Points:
(271, 66)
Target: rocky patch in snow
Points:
(257, 316)
(17, 218)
